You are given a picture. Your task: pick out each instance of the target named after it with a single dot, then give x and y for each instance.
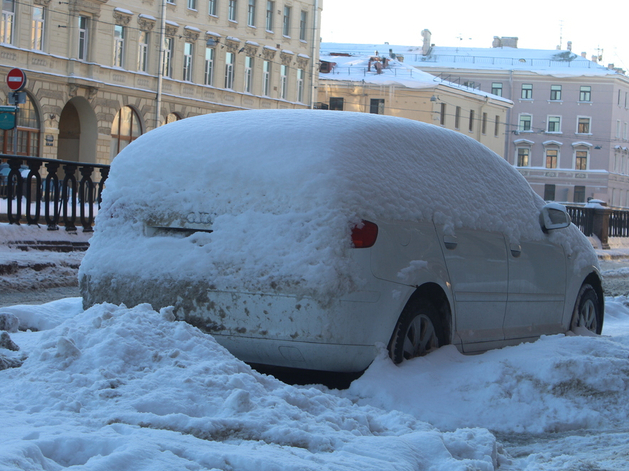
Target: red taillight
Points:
(364, 234)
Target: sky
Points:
(538, 24)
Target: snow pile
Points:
(556, 384)
(282, 209)
(118, 388)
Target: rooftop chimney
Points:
(570, 46)
(426, 47)
(584, 55)
(505, 41)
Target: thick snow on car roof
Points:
(283, 189)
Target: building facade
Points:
(101, 73)
(568, 129)
(383, 84)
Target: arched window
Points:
(27, 132)
(125, 128)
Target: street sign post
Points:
(16, 79)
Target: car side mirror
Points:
(554, 216)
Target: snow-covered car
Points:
(312, 239)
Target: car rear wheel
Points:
(587, 311)
(418, 331)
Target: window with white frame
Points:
(552, 156)
(496, 88)
(300, 86)
(549, 192)
(585, 93)
(83, 37)
(286, 23)
(583, 125)
(555, 92)
(442, 114)
(211, 7)
(192, 4)
(229, 70)
(8, 21)
(248, 73)
(303, 25)
(284, 81)
(527, 91)
(167, 65)
(37, 29)
(270, 7)
(336, 103)
(525, 123)
(581, 159)
(266, 78)
(523, 156)
(553, 124)
(497, 126)
(624, 134)
(231, 15)
(617, 129)
(125, 128)
(143, 51)
(188, 53)
(118, 46)
(376, 106)
(251, 13)
(457, 117)
(209, 66)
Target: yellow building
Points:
(101, 73)
(383, 84)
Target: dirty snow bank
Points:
(118, 388)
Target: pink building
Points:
(567, 132)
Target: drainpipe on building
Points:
(314, 69)
(160, 66)
(508, 123)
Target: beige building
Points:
(383, 84)
(101, 73)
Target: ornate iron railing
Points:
(65, 190)
(583, 218)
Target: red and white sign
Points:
(16, 79)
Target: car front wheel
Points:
(587, 311)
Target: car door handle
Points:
(516, 250)
(450, 242)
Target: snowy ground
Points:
(128, 389)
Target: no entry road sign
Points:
(16, 79)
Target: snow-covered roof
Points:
(358, 67)
(541, 61)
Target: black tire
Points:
(587, 311)
(418, 331)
